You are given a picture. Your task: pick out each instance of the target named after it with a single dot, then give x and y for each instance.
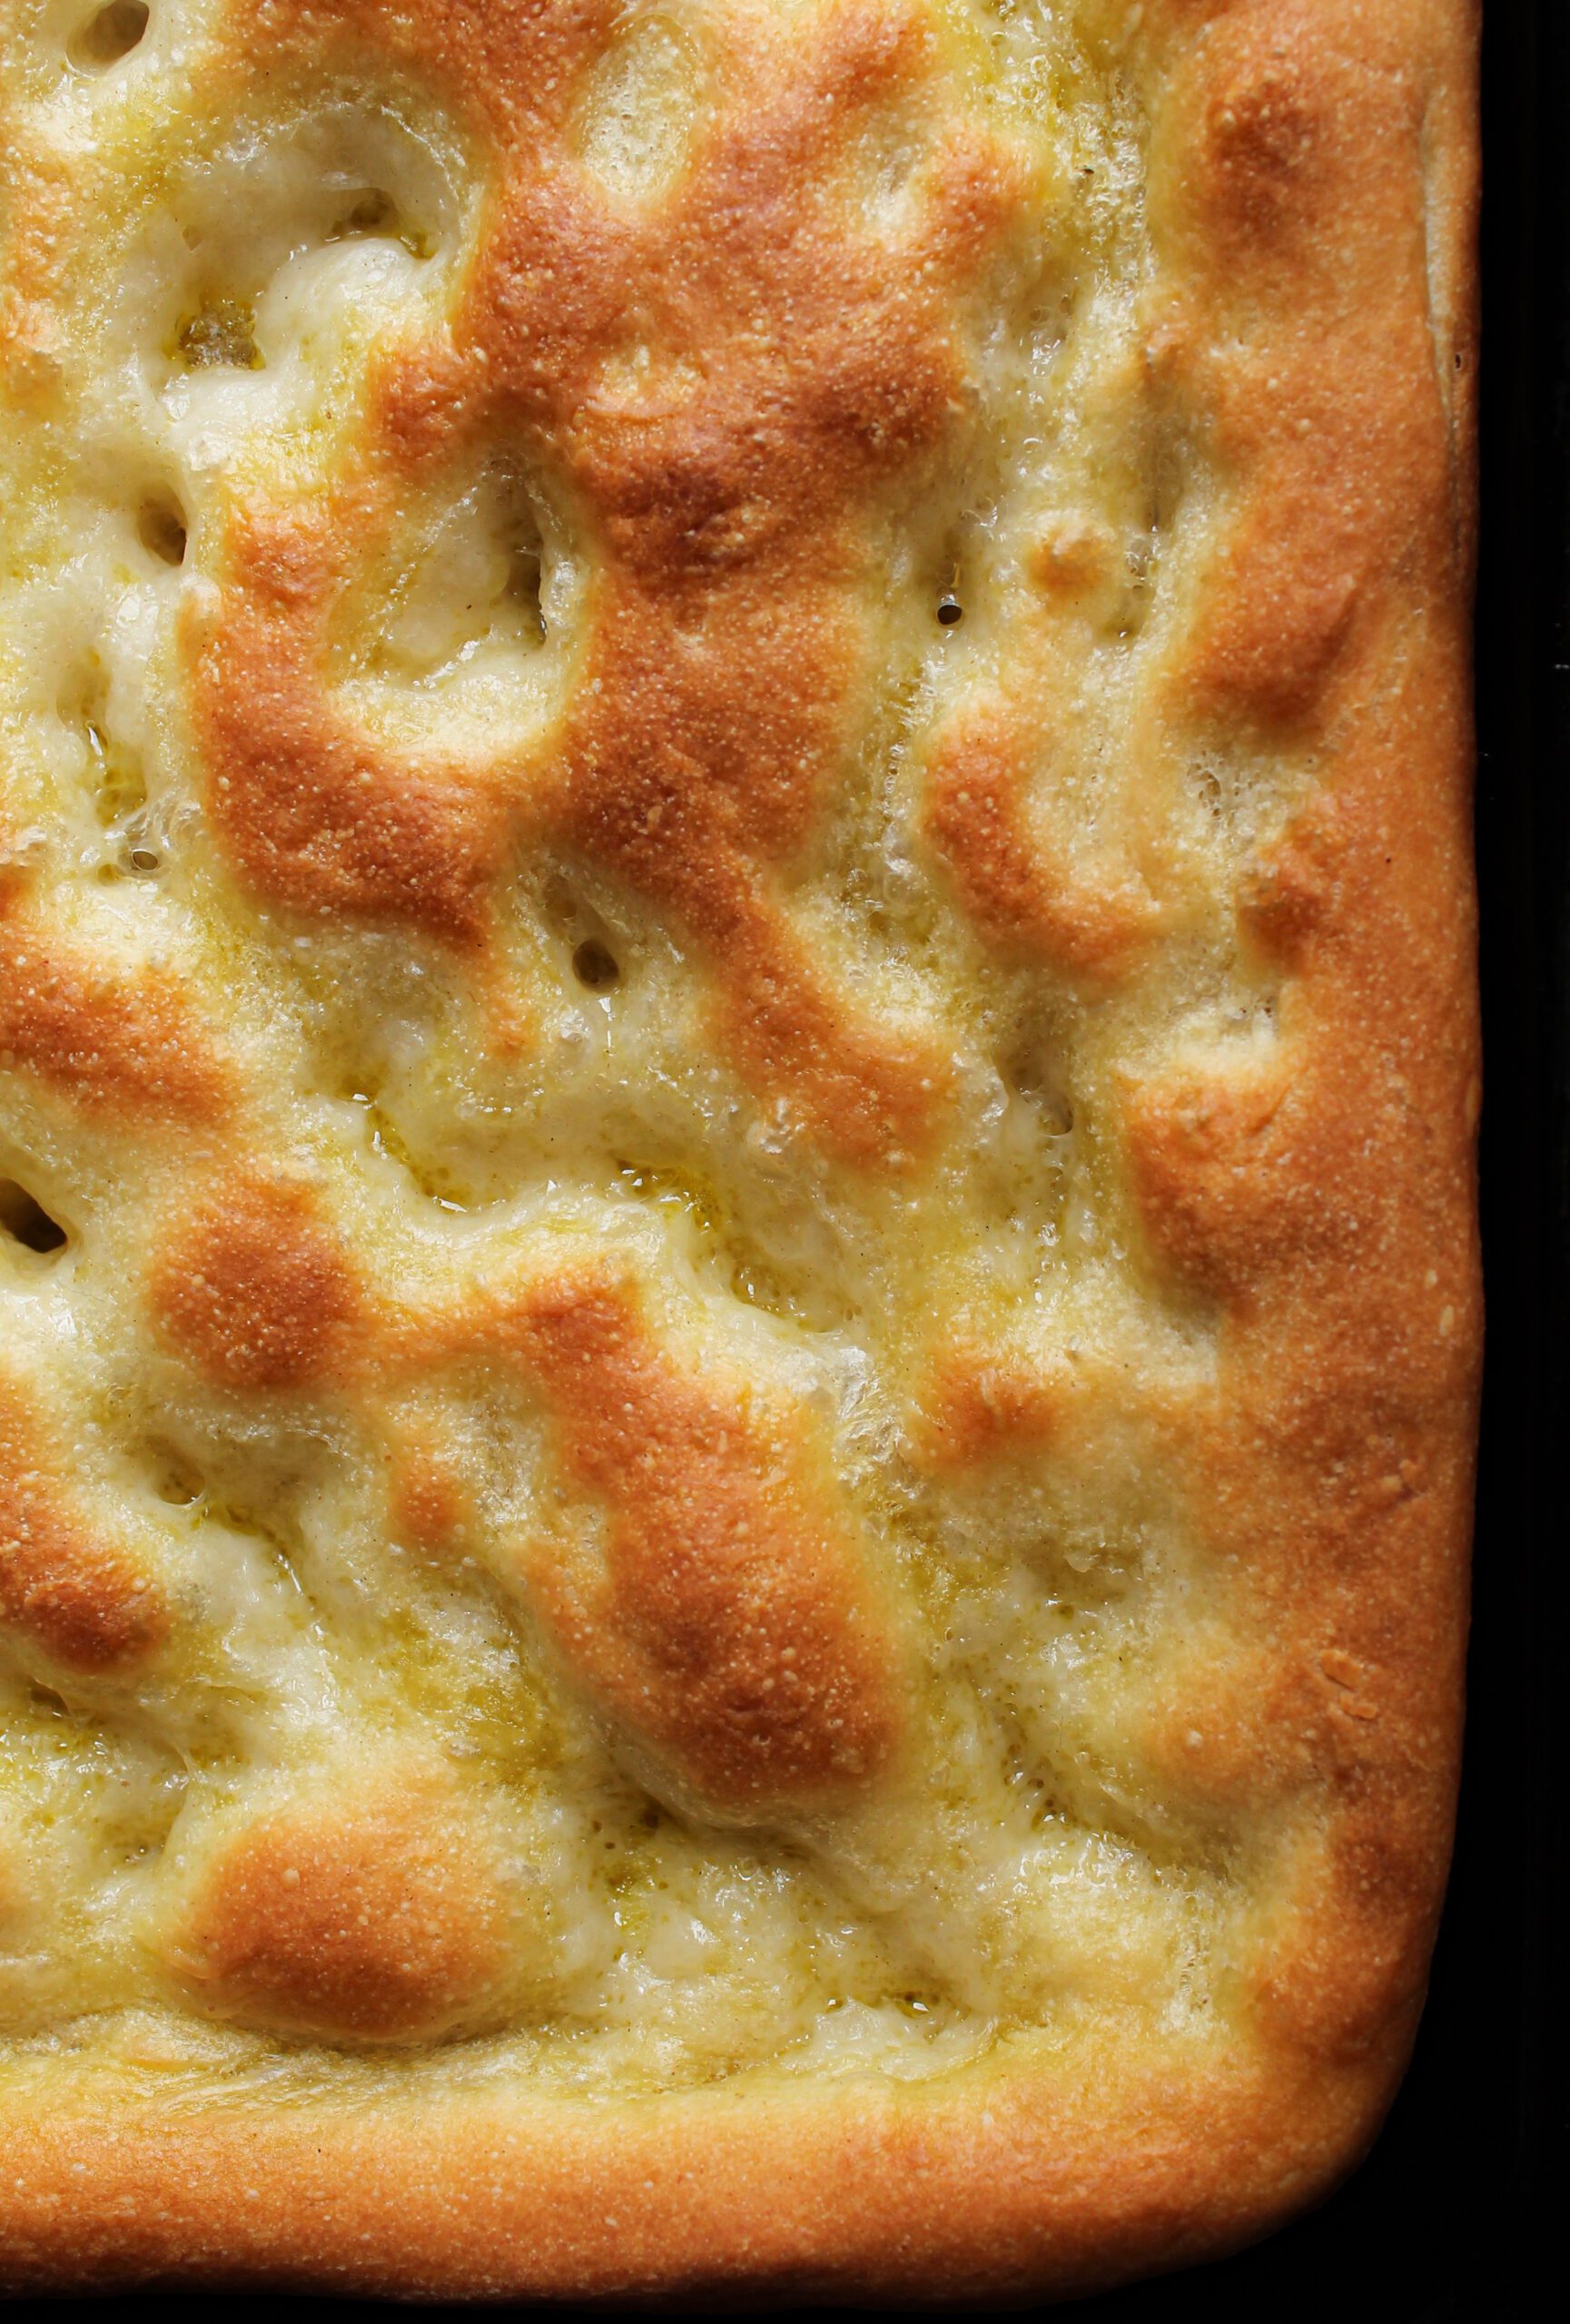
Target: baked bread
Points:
(738, 1317)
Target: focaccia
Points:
(738, 1316)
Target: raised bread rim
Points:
(999, 2181)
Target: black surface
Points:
(1453, 2217)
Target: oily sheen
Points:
(737, 1310)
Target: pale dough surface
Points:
(737, 1307)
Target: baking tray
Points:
(1451, 2217)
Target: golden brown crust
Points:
(368, 1918)
(690, 1520)
(253, 1292)
(1322, 1201)
(1004, 2182)
(731, 1629)
(62, 1586)
(101, 1041)
(725, 615)
(1011, 887)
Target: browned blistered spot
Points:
(427, 1499)
(379, 1921)
(256, 1291)
(1281, 606)
(862, 1089)
(1232, 1727)
(735, 1630)
(1071, 559)
(713, 696)
(1288, 894)
(1219, 1177)
(44, 198)
(1021, 899)
(1267, 125)
(981, 1404)
(312, 813)
(62, 1586)
(117, 1044)
(1301, 199)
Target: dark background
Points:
(1453, 2216)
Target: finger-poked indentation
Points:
(636, 113)
(454, 635)
(107, 35)
(26, 1224)
(161, 528)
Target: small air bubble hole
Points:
(371, 212)
(594, 965)
(24, 1219)
(160, 527)
(109, 35)
(174, 1479)
(525, 581)
(374, 212)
